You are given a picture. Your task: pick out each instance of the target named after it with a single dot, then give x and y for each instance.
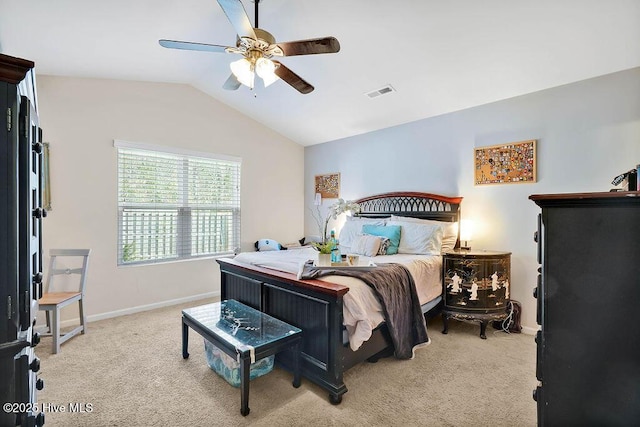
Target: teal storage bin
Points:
(229, 369)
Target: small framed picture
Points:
(328, 186)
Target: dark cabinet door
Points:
(9, 304)
(9, 299)
(592, 293)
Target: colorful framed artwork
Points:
(328, 185)
(511, 163)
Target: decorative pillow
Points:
(366, 245)
(417, 238)
(390, 232)
(450, 236)
(384, 245)
(352, 228)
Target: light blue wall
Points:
(587, 132)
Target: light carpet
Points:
(129, 371)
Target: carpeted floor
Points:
(129, 371)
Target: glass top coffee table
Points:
(243, 333)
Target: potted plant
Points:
(324, 255)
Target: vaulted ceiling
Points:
(439, 56)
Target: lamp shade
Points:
(466, 232)
(243, 71)
(265, 68)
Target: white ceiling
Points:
(439, 55)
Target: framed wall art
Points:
(328, 185)
(511, 163)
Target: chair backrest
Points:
(72, 255)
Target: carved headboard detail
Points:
(413, 204)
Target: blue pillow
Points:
(391, 232)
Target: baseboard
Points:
(95, 317)
(138, 309)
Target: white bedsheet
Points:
(362, 311)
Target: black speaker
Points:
(632, 180)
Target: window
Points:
(175, 205)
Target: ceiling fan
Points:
(257, 47)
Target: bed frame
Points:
(315, 306)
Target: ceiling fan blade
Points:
(292, 79)
(232, 83)
(175, 44)
(238, 17)
(310, 46)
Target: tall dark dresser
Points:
(21, 215)
(588, 293)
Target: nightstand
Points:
(476, 286)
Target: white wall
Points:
(81, 118)
(587, 132)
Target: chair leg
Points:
(48, 317)
(56, 330)
(83, 319)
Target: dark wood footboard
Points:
(314, 306)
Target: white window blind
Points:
(174, 206)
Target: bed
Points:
(317, 306)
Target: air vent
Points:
(382, 91)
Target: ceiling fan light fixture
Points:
(257, 47)
(265, 68)
(243, 70)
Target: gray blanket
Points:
(397, 293)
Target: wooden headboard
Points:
(413, 204)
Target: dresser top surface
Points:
(599, 197)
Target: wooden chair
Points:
(52, 301)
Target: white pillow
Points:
(366, 245)
(352, 228)
(417, 238)
(450, 236)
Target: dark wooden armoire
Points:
(21, 215)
